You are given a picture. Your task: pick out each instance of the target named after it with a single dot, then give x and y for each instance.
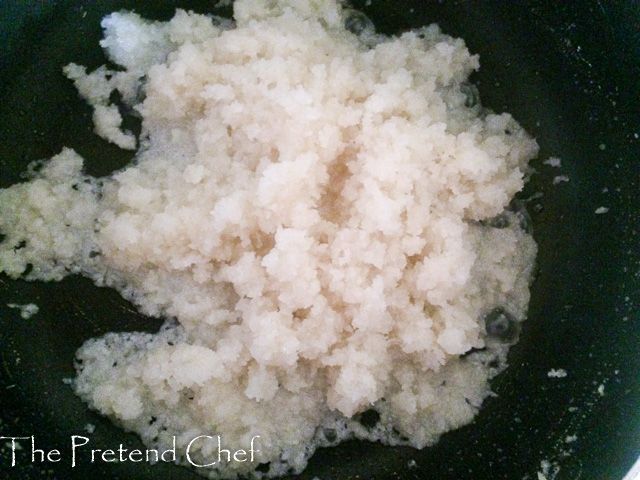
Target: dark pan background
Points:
(568, 71)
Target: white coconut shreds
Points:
(314, 209)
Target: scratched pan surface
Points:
(568, 71)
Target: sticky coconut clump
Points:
(313, 210)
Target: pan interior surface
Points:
(575, 91)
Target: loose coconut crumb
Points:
(26, 311)
(559, 373)
(549, 470)
(560, 179)
(553, 162)
(319, 214)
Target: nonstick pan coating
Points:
(567, 71)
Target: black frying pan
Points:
(568, 71)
